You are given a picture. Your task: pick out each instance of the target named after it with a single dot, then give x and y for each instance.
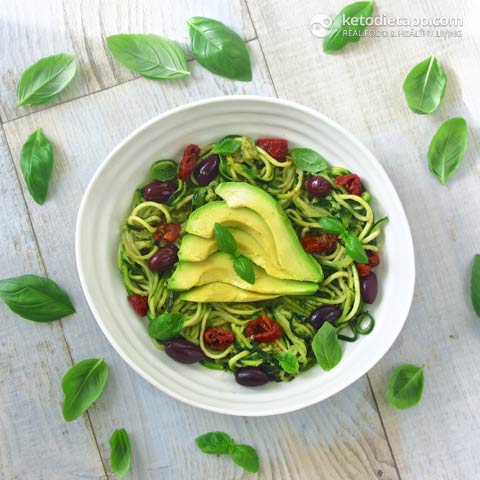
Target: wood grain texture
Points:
(361, 88)
(33, 358)
(32, 29)
(338, 439)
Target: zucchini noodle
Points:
(283, 181)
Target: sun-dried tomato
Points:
(189, 160)
(264, 329)
(365, 268)
(351, 182)
(167, 232)
(323, 243)
(218, 338)
(139, 303)
(276, 147)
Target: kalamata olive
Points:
(159, 191)
(207, 170)
(183, 351)
(369, 287)
(317, 187)
(164, 259)
(325, 313)
(251, 376)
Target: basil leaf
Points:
(45, 79)
(475, 284)
(35, 298)
(326, 346)
(166, 326)
(308, 160)
(405, 386)
(227, 146)
(215, 443)
(344, 32)
(151, 56)
(163, 170)
(36, 162)
(219, 49)
(243, 267)
(246, 457)
(354, 248)
(120, 452)
(289, 362)
(447, 148)
(332, 225)
(82, 385)
(425, 86)
(225, 240)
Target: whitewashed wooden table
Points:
(354, 435)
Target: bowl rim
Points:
(409, 248)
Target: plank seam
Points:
(383, 427)
(44, 270)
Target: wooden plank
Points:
(341, 438)
(33, 359)
(361, 88)
(32, 30)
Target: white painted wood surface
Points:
(354, 435)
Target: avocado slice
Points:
(222, 292)
(292, 258)
(219, 268)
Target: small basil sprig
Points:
(36, 162)
(425, 86)
(405, 386)
(166, 326)
(219, 49)
(342, 33)
(353, 246)
(120, 452)
(326, 347)
(227, 146)
(475, 284)
(215, 443)
(289, 362)
(164, 170)
(45, 79)
(219, 443)
(308, 160)
(35, 298)
(82, 385)
(448, 148)
(243, 266)
(151, 56)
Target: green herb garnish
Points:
(82, 385)
(405, 386)
(45, 79)
(120, 452)
(166, 326)
(326, 347)
(448, 148)
(36, 162)
(151, 56)
(425, 86)
(219, 49)
(35, 298)
(308, 160)
(475, 284)
(243, 266)
(348, 26)
(219, 443)
(353, 246)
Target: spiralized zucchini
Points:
(285, 183)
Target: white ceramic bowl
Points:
(107, 201)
